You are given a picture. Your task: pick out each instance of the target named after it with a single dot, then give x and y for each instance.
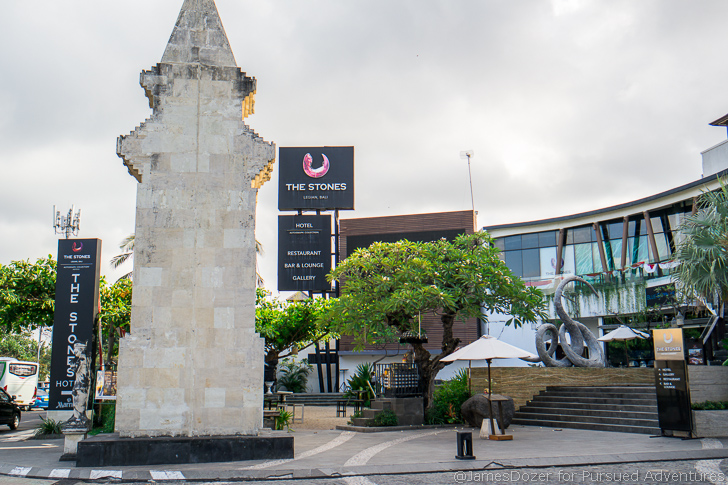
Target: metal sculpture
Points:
(579, 335)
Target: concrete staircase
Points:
(624, 409)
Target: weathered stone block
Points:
(477, 408)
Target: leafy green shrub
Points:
(104, 421)
(710, 406)
(385, 418)
(447, 400)
(48, 427)
(294, 375)
(363, 381)
(283, 420)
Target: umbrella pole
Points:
(470, 389)
(626, 355)
(490, 402)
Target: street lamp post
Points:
(467, 154)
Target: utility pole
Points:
(68, 224)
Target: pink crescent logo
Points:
(75, 248)
(315, 172)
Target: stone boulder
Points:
(475, 409)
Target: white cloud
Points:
(569, 105)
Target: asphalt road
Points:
(28, 421)
(650, 473)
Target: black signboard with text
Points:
(304, 252)
(76, 307)
(673, 398)
(316, 178)
(671, 380)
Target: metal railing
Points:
(398, 380)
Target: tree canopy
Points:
(387, 285)
(27, 294)
(290, 326)
(702, 252)
(115, 315)
(27, 300)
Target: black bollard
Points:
(465, 446)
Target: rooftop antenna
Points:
(467, 154)
(68, 224)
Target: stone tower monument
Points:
(192, 364)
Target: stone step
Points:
(630, 409)
(624, 389)
(587, 425)
(612, 413)
(361, 421)
(601, 392)
(603, 406)
(600, 395)
(648, 421)
(594, 400)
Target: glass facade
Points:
(533, 256)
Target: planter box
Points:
(711, 424)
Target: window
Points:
(514, 261)
(529, 241)
(512, 242)
(546, 239)
(531, 263)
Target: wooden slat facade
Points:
(416, 226)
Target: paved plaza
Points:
(407, 456)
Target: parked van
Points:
(20, 380)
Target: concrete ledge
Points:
(111, 450)
(711, 424)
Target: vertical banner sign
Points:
(671, 381)
(316, 178)
(77, 300)
(304, 253)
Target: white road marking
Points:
(19, 436)
(364, 456)
(60, 473)
(20, 471)
(95, 474)
(339, 440)
(166, 475)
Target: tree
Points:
(288, 327)
(386, 286)
(115, 315)
(702, 252)
(127, 251)
(27, 294)
(27, 301)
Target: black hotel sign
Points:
(316, 178)
(304, 253)
(77, 300)
(671, 381)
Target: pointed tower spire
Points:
(199, 37)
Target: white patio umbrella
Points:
(487, 348)
(623, 333)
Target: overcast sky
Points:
(569, 105)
